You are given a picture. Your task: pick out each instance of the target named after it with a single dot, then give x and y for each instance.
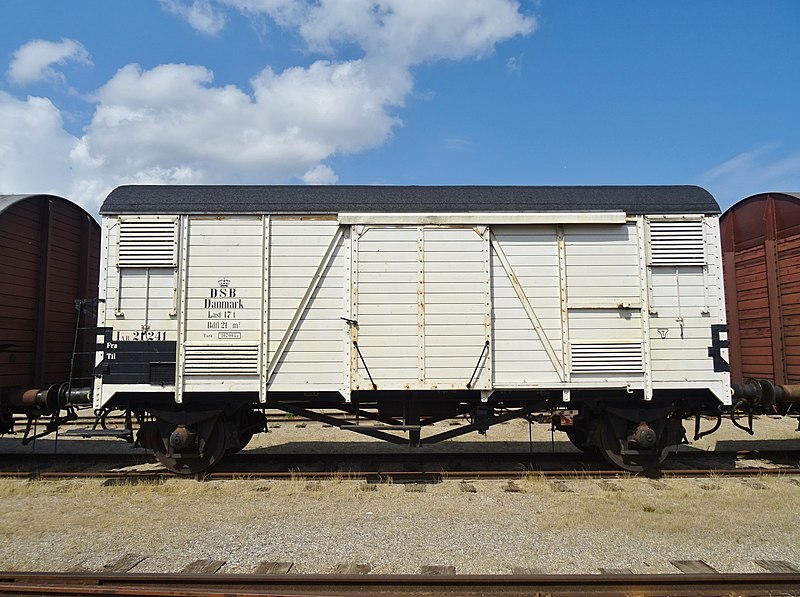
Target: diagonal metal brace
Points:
(317, 416)
(482, 426)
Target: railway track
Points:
(230, 585)
(386, 476)
(397, 467)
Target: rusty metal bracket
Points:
(749, 428)
(700, 434)
(50, 427)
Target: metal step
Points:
(123, 433)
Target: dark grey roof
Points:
(301, 199)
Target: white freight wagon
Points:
(409, 305)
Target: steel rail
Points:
(580, 458)
(229, 585)
(396, 476)
(429, 467)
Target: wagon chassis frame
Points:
(635, 435)
(480, 422)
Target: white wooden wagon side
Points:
(408, 305)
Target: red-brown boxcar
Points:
(49, 258)
(761, 259)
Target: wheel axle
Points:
(645, 436)
(181, 438)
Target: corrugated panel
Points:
(224, 272)
(788, 280)
(147, 243)
(21, 258)
(63, 281)
(48, 259)
(761, 248)
(518, 354)
(602, 264)
(388, 306)
(316, 354)
(610, 326)
(612, 357)
(455, 313)
(677, 243)
(221, 360)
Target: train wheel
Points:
(249, 423)
(633, 447)
(186, 452)
(579, 438)
(244, 439)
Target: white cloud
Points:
(320, 174)
(172, 124)
(36, 59)
(456, 144)
(34, 148)
(398, 31)
(286, 13)
(768, 167)
(415, 32)
(514, 65)
(200, 14)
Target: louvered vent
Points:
(147, 243)
(221, 360)
(610, 357)
(677, 243)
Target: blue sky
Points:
(97, 93)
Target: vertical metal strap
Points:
(421, 304)
(97, 386)
(566, 354)
(181, 352)
(488, 305)
(176, 277)
(644, 293)
(266, 239)
(353, 312)
(347, 297)
(774, 294)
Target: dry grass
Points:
(534, 482)
(43, 523)
(730, 512)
